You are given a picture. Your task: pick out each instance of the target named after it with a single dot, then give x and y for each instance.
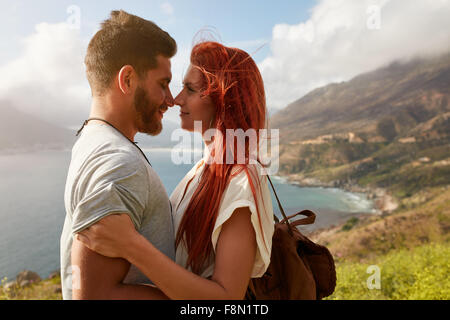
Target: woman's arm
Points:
(235, 256)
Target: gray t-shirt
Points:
(108, 175)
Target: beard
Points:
(147, 117)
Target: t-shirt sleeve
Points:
(110, 184)
(239, 195)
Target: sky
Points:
(298, 45)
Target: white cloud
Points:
(47, 79)
(167, 8)
(341, 40)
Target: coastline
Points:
(384, 203)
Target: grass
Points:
(409, 248)
(422, 273)
(49, 289)
(421, 219)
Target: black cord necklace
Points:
(107, 122)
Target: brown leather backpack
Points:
(299, 269)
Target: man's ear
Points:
(127, 79)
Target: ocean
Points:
(32, 205)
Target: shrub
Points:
(350, 224)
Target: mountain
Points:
(387, 128)
(22, 131)
(19, 130)
(405, 93)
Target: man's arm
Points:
(101, 278)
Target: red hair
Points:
(233, 82)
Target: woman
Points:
(222, 209)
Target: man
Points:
(128, 69)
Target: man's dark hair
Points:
(125, 39)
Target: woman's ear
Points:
(126, 79)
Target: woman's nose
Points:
(179, 99)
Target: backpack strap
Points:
(310, 218)
(285, 218)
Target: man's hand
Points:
(112, 236)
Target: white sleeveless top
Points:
(238, 194)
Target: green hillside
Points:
(389, 129)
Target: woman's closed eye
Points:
(189, 88)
